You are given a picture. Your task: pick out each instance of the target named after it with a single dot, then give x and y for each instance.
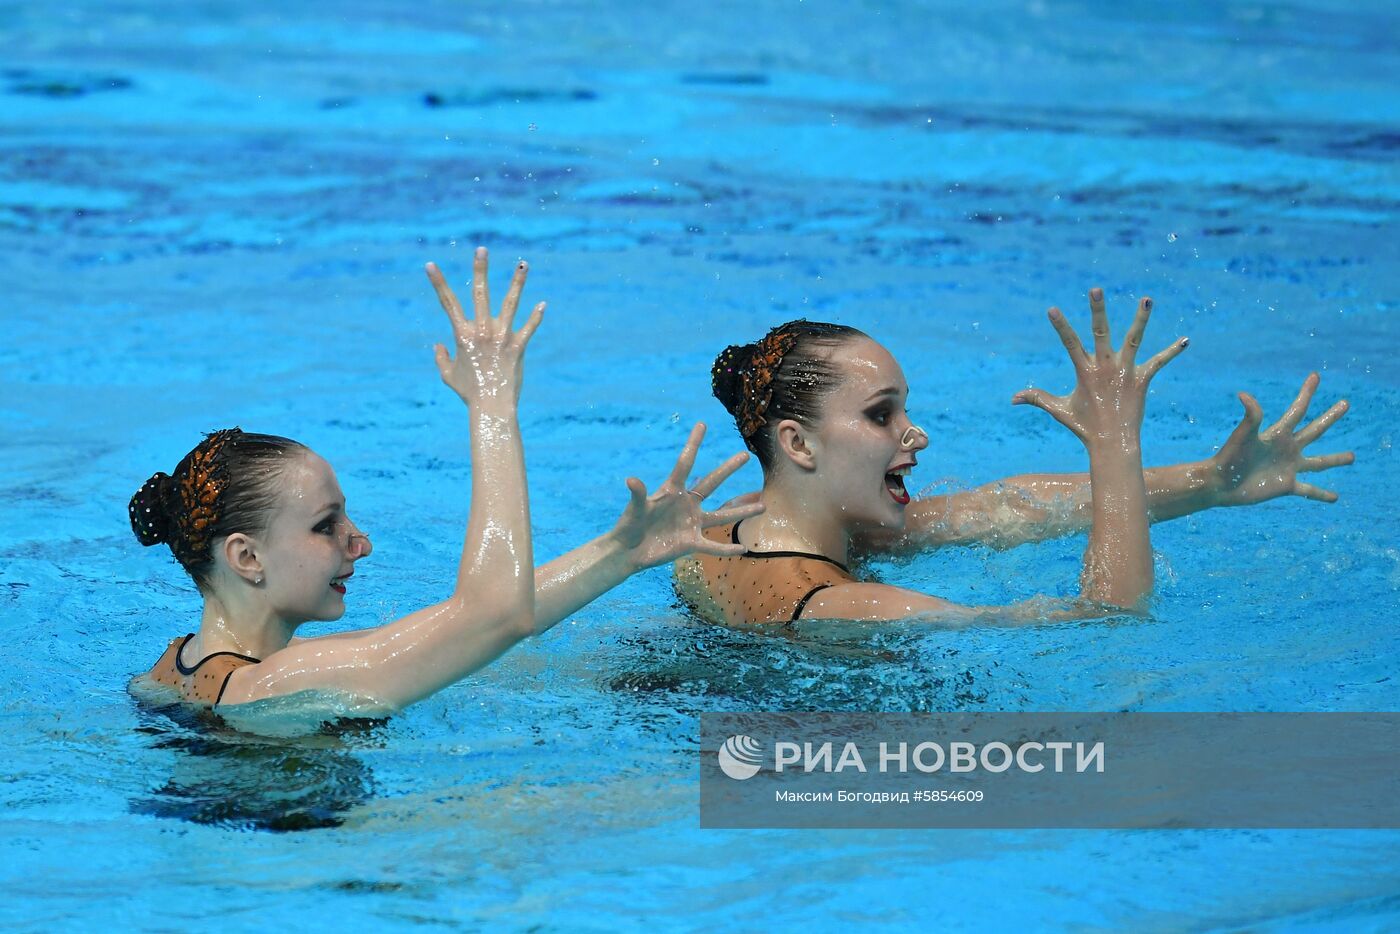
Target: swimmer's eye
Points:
(880, 416)
(326, 526)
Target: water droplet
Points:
(533, 127)
(656, 162)
(1171, 238)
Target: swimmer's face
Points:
(859, 441)
(311, 545)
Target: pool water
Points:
(217, 213)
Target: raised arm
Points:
(653, 530)
(1250, 467)
(1105, 412)
(492, 601)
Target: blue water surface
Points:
(216, 213)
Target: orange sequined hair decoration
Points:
(756, 379)
(201, 487)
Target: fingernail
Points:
(1186, 342)
(1147, 303)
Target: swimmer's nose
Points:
(915, 438)
(360, 545)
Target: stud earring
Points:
(258, 579)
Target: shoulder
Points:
(202, 683)
(857, 600)
(315, 662)
(215, 673)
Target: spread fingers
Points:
(712, 480)
(446, 297)
(1314, 492)
(1326, 462)
(1103, 343)
(1290, 418)
(1077, 355)
(481, 295)
(686, 460)
(1133, 340)
(1314, 429)
(512, 299)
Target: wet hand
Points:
(1106, 406)
(489, 355)
(662, 526)
(1254, 466)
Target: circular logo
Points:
(741, 757)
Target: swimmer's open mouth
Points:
(894, 483)
(338, 584)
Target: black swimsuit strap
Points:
(180, 666)
(802, 604)
(224, 687)
(734, 537)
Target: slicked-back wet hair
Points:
(787, 374)
(227, 484)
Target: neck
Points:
(790, 523)
(226, 626)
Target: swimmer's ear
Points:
(794, 443)
(242, 560)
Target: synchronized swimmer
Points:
(260, 523)
(822, 406)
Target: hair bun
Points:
(726, 375)
(150, 518)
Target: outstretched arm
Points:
(1251, 467)
(1105, 412)
(653, 530)
(492, 603)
